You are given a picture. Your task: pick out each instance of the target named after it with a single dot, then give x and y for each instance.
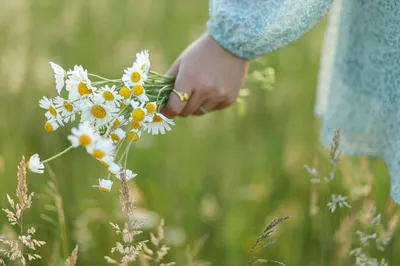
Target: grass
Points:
(223, 176)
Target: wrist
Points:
(214, 42)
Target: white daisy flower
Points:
(59, 76)
(114, 168)
(97, 112)
(136, 124)
(51, 125)
(134, 135)
(133, 76)
(151, 107)
(65, 108)
(47, 104)
(142, 61)
(139, 113)
(102, 147)
(78, 83)
(83, 135)
(107, 160)
(159, 124)
(110, 95)
(128, 174)
(104, 185)
(125, 93)
(120, 121)
(35, 165)
(140, 93)
(117, 135)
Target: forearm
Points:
(254, 27)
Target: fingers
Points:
(194, 103)
(175, 106)
(206, 107)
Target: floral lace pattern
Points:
(254, 27)
(358, 86)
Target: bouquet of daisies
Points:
(113, 113)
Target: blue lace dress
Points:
(358, 90)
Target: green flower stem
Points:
(57, 155)
(103, 78)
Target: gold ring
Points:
(203, 110)
(183, 97)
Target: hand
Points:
(209, 74)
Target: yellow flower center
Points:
(138, 114)
(108, 96)
(125, 92)
(84, 140)
(104, 189)
(114, 136)
(68, 106)
(98, 154)
(151, 108)
(135, 124)
(133, 136)
(116, 123)
(48, 127)
(135, 76)
(98, 111)
(157, 119)
(138, 89)
(52, 111)
(83, 89)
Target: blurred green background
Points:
(223, 176)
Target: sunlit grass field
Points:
(221, 177)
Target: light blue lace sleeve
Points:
(249, 28)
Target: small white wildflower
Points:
(104, 185)
(114, 168)
(133, 75)
(101, 148)
(83, 135)
(118, 134)
(139, 113)
(107, 160)
(142, 61)
(51, 113)
(78, 83)
(65, 108)
(59, 76)
(120, 121)
(151, 108)
(128, 174)
(51, 125)
(110, 95)
(140, 93)
(97, 112)
(134, 135)
(159, 124)
(35, 165)
(337, 201)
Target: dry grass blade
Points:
(335, 145)
(266, 233)
(127, 203)
(260, 242)
(71, 261)
(22, 188)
